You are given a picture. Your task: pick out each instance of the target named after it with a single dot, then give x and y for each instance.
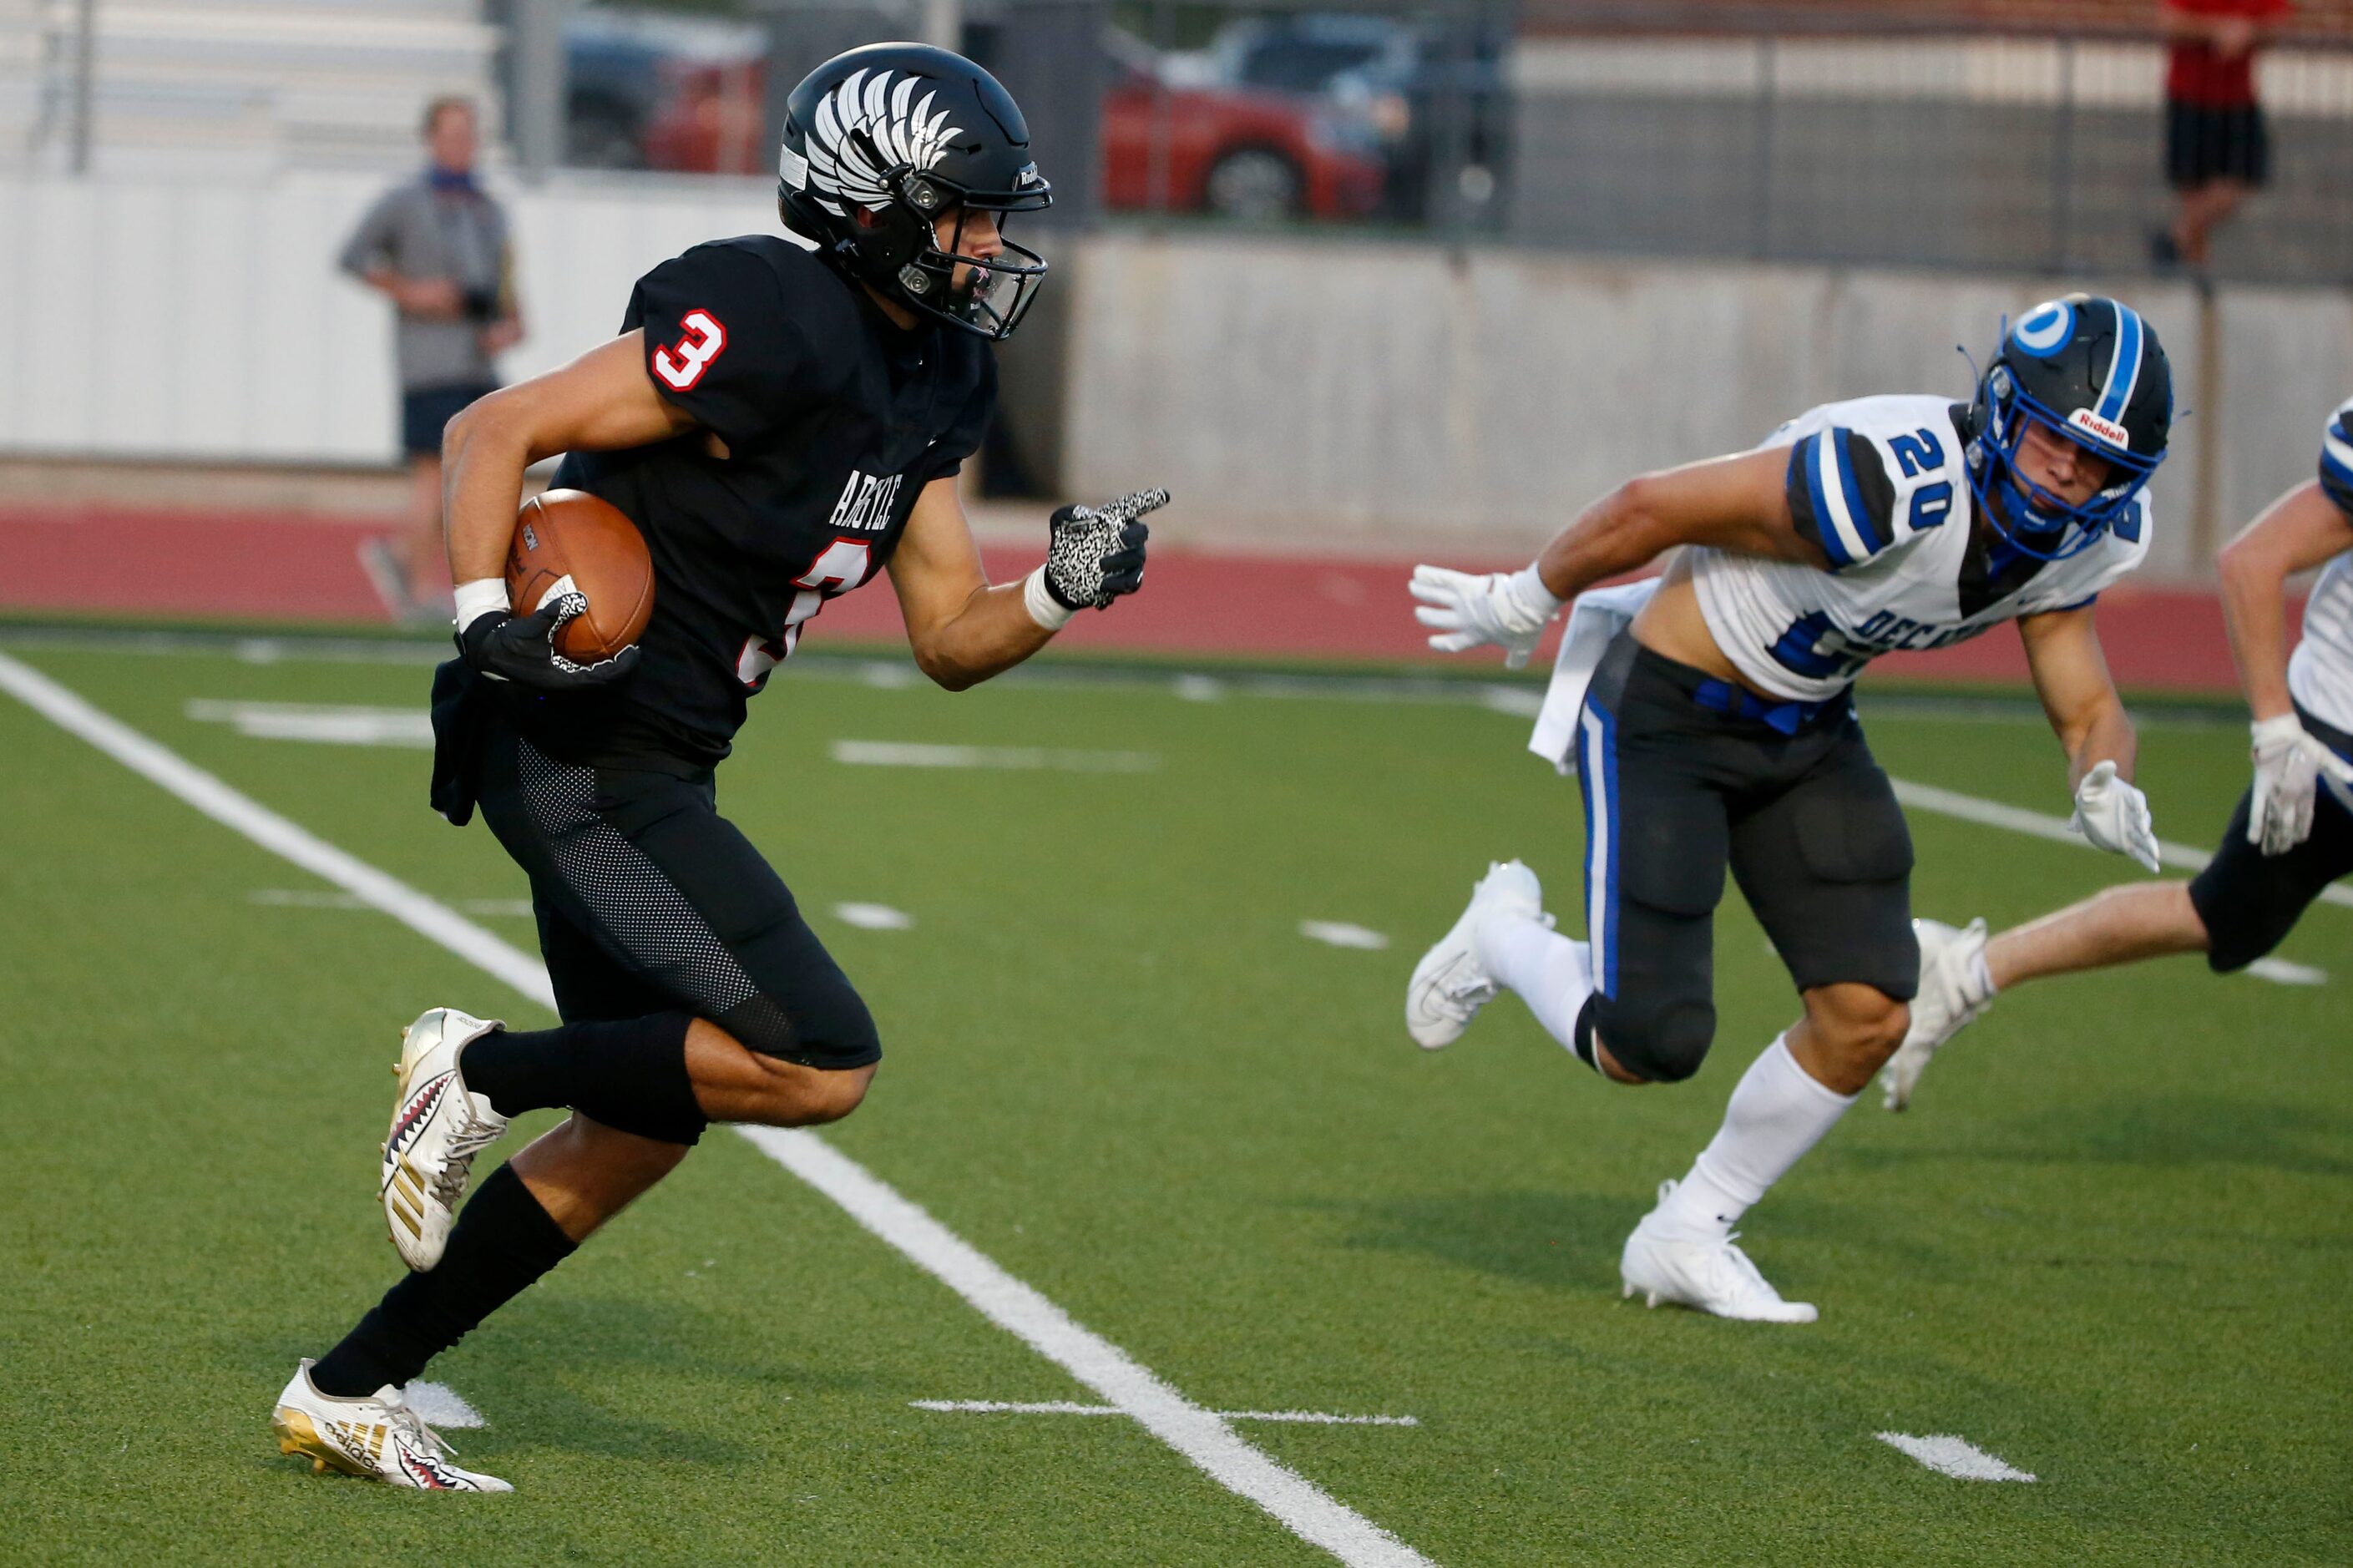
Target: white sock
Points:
(1553, 974)
(1777, 1112)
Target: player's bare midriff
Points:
(1672, 626)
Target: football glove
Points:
(522, 649)
(2113, 816)
(2290, 762)
(1096, 553)
(1506, 608)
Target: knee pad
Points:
(1659, 1040)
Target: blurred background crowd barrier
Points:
(1387, 272)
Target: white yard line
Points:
(313, 899)
(1955, 1457)
(431, 919)
(2017, 819)
(1200, 1435)
(1066, 1407)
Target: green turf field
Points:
(2110, 1244)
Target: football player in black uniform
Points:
(782, 417)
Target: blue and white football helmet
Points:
(2088, 369)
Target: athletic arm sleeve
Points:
(2337, 459)
(721, 342)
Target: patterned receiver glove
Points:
(522, 649)
(2113, 816)
(2290, 762)
(1506, 608)
(1097, 552)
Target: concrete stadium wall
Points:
(166, 319)
(1409, 395)
(1301, 393)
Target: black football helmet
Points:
(2090, 370)
(906, 133)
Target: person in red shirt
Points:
(2216, 147)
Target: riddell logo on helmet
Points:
(2107, 430)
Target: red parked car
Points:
(1245, 153)
(1239, 153)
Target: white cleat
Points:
(1712, 1277)
(375, 1435)
(1449, 985)
(437, 1127)
(1951, 997)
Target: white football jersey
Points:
(2320, 672)
(1880, 483)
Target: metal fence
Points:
(1978, 134)
(1849, 133)
(1850, 139)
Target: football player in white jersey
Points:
(2293, 833)
(1719, 729)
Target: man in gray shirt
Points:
(438, 247)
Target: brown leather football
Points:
(571, 536)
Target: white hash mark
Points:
(1340, 933)
(1955, 1457)
(874, 917)
(2280, 972)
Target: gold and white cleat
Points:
(437, 1127)
(375, 1436)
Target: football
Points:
(572, 539)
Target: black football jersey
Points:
(821, 421)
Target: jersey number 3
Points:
(681, 366)
(842, 568)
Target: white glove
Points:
(1506, 608)
(2289, 763)
(2113, 816)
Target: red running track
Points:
(197, 566)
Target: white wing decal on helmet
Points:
(905, 133)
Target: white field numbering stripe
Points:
(1200, 1435)
(2017, 819)
(330, 724)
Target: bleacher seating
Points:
(237, 88)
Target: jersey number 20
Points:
(842, 568)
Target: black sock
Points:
(629, 1074)
(502, 1241)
